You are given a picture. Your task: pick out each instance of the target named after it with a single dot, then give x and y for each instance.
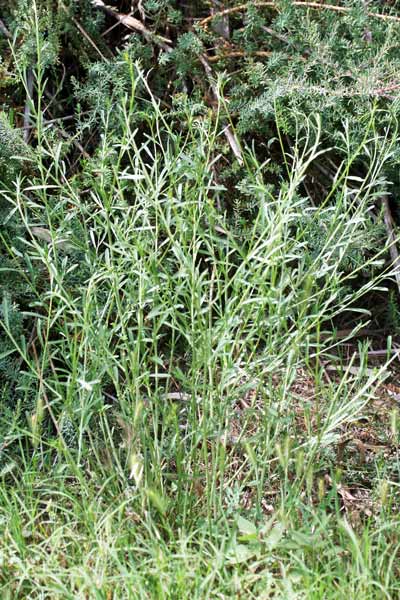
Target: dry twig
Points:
(274, 6)
(238, 54)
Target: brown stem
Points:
(238, 54)
(274, 6)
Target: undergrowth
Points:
(192, 405)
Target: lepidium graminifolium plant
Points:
(149, 287)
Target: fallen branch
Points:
(134, 24)
(394, 253)
(275, 6)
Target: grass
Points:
(177, 435)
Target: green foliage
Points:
(319, 63)
(15, 158)
(15, 154)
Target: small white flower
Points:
(88, 385)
